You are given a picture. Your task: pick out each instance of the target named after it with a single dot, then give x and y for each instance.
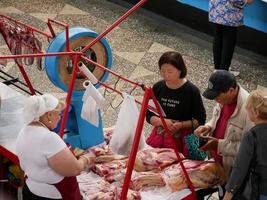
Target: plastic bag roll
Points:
(87, 73)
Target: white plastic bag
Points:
(92, 102)
(11, 113)
(123, 135)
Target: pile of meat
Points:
(203, 174)
(93, 188)
(155, 159)
(154, 167)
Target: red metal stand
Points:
(149, 94)
(76, 56)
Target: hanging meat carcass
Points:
(21, 41)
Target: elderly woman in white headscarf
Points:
(49, 165)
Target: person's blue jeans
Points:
(263, 197)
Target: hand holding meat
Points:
(212, 144)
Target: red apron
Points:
(69, 188)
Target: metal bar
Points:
(29, 27)
(19, 81)
(116, 23)
(12, 82)
(40, 55)
(70, 90)
(51, 28)
(66, 29)
(117, 91)
(136, 141)
(58, 22)
(23, 72)
(120, 93)
(26, 78)
(189, 183)
(67, 39)
(110, 71)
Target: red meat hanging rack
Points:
(76, 56)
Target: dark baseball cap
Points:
(219, 81)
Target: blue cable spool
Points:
(81, 133)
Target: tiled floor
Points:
(136, 46)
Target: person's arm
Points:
(59, 157)
(187, 124)
(153, 118)
(150, 114)
(172, 126)
(242, 162)
(215, 115)
(249, 1)
(228, 147)
(203, 130)
(155, 121)
(199, 112)
(66, 164)
(228, 196)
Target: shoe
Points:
(235, 73)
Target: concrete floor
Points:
(136, 45)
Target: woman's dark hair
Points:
(175, 59)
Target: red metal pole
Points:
(51, 28)
(67, 39)
(110, 71)
(66, 29)
(189, 183)
(26, 78)
(69, 95)
(21, 68)
(40, 55)
(29, 27)
(116, 23)
(137, 137)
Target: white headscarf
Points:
(36, 106)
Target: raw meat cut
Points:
(203, 174)
(154, 159)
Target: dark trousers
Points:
(28, 195)
(205, 192)
(223, 46)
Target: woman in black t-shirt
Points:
(180, 100)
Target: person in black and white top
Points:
(179, 98)
(49, 165)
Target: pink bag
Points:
(155, 139)
(160, 139)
